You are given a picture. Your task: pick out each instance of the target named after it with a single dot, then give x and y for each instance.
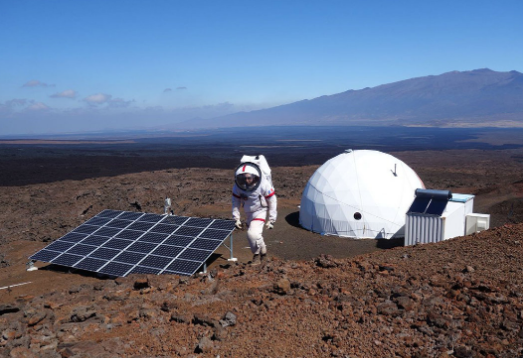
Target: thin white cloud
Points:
(14, 105)
(120, 103)
(167, 90)
(36, 83)
(99, 98)
(181, 88)
(38, 106)
(16, 102)
(69, 93)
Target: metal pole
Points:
(234, 259)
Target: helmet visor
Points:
(248, 177)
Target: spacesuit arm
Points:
(273, 207)
(236, 203)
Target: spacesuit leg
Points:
(256, 221)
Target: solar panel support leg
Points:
(204, 271)
(31, 266)
(233, 259)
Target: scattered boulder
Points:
(325, 261)
(228, 320)
(282, 286)
(204, 346)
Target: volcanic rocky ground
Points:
(316, 296)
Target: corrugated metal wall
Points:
(421, 229)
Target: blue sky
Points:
(73, 66)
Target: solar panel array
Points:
(119, 243)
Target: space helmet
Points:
(245, 171)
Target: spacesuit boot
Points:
(263, 253)
(256, 260)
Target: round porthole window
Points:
(357, 216)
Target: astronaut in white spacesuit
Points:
(255, 193)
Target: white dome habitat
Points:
(359, 194)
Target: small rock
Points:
(282, 287)
(325, 261)
(204, 346)
(74, 290)
(228, 320)
(469, 269)
(81, 314)
(406, 303)
(386, 268)
(388, 308)
(21, 352)
(37, 318)
(181, 318)
(463, 352)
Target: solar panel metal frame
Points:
(118, 243)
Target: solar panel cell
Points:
(188, 231)
(178, 240)
(107, 231)
(177, 220)
(184, 267)
(205, 244)
(195, 255)
(167, 250)
(44, 255)
(214, 234)
(98, 221)
(117, 244)
(60, 246)
(140, 225)
(86, 229)
(73, 237)
(129, 257)
(145, 270)
(104, 253)
(95, 240)
(153, 237)
(80, 249)
(156, 261)
(90, 264)
(223, 224)
(143, 247)
(115, 269)
(165, 228)
(129, 216)
(117, 223)
(109, 213)
(129, 234)
(67, 260)
(153, 218)
(198, 222)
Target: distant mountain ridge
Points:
(475, 98)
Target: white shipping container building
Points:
(437, 215)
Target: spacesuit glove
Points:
(238, 224)
(270, 225)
